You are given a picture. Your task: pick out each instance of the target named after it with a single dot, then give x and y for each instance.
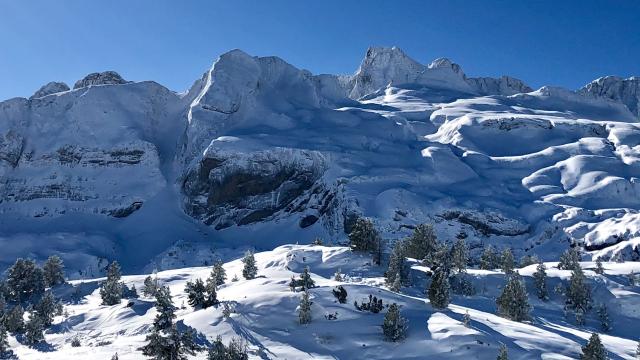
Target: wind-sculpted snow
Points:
(260, 152)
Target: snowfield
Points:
(265, 314)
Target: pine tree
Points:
(47, 308)
(3, 305)
(422, 242)
(540, 280)
(33, 330)
(599, 268)
(218, 274)
(165, 309)
(217, 351)
(4, 342)
(513, 302)
(489, 259)
(210, 294)
(304, 315)
(397, 267)
(341, 294)
(594, 350)
(438, 291)
(53, 270)
(150, 286)
(195, 293)
(632, 278)
(397, 284)
(237, 350)
(466, 319)
(570, 259)
(528, 260)
(337, 276)
(14, 320)
(111, 290)
(305, 279)
(460, 256)
(603, 316)
(507, 261)
(503, 354)
(115, 357)
(24, 280)
(578, 294)
(364, 236)
(249, 271)
(394, 326)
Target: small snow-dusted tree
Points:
(47, 308)
(507, 262)
(364, 236)
(338, 275)
(438, 291)
(460, 256)
(394, 326)
(218, 274)
(513, 302)
(528, 260)
(305, 279)
(111, 290)
(237, 350)
(14, 320)
(3, 305)
(578, 294)
(570, 259)
(341, 294)
(599, 268)
(4, 342)
(489, 259)
(217, 351)
(115, 357)
(503, 354)
(594, 350)
(304, 315)
(422, 242)
(249, 271)
(540, 280)
(466, 319)
(632, 278)
(397, 284)
(33, 330)
(53, 270)
(150, 285)
(397, 267)
(603, 316)
(210, 294)
(195, 293)
(165, 309)
(24, 279)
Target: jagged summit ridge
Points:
(102, 78)
(50, 88)
(626, 91)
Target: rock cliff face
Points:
(258, 146)
(626, 91)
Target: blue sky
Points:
(565, 43)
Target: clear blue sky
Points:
(566, 43)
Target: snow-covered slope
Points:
(265, 314)
(261, 153)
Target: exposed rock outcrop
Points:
(103, 78)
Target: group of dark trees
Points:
(28, 286)
(203, 295)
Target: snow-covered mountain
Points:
(260, 153)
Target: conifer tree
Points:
(422, 242)
(466, 319)
(53, 270)
(528, 260)
(603, 316)
(438, 291)
(249, 271)
(237, 350)
(210, 294)
(364, 236)
(338, 275)
(397, 267)
(218, 274)
(489, 259)
(24, 280)
(503, 354)
(165, 309)
(578, 294)
(150, 285)
(570, 259)
(599, 268)
(33, 330)
(397, 284)
(540, 280)
(304, 315)
(112, 288)
(513, 302)
(460, 256)
(47, 308)
(4, 342)
(14, 320)
(195, 293)
(341, 294)
(217, 351)
(394, 326)
(594, 350)
(632, 278)
(115, 357)
(3, 305)
(507, 262)
(305, 279)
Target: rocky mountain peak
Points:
(103, 78)
(50, 88)
(626, 91)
